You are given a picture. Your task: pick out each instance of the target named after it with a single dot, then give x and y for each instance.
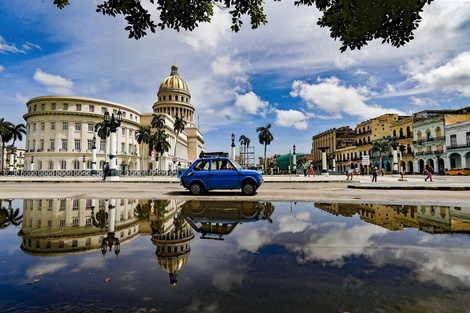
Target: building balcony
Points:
(455, 146)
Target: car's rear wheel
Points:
(196, 188)
(249, 188)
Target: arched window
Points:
(51, 165)
(394, 133)
(169, 97)
(401, 132)
(76, 165)
(419, 135)
(88, 165)
(428, 134)
(408, 131)
(63, 165)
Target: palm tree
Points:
(265, 138)
(158, 121)
(301, 161)
(160, 142)
(5, 136)
(329, 158)
(103, 130)
(268, 210)
(178, 127)
(142, 135)
(16, 133)
(244, 141)
(11, 216)
(382, 147)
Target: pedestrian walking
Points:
(428, 170)
(310, 170)
(351, 167)
(305, 165)
(375, 171)
(105, 170)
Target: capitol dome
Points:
(173, 82)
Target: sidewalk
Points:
(411, 182)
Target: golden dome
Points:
(173, 82)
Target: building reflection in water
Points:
(53, 227)
(428, 218)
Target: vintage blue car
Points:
(219, 172)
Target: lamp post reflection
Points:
(110, 240)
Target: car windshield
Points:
(235, 164)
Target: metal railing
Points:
(72, 173)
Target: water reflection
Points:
(428, 218)
(8, 215)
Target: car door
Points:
(223, 175)
(201, 172)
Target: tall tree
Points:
(160, 142)
(265, 138)
(353, 22)
(244, 141)
(142, 135)
(158, 121)
(103, 131)
(178, 127)
(5, 136)
(16, 133)
(382, 147)
(301, 161)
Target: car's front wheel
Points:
(196, 188)
(249, 188)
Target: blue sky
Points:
(288, 73)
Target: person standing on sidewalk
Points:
(105, 170)
(310, 170)
(428, 170)
(305, 165)
(375, 170)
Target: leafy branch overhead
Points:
(353, 22)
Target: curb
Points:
(447, 188)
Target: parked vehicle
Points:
(218, 171)
(459, 171)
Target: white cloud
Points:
(54, 83)
(251, 103)
(294, 224)
(454, 75)
(333, 97)
(206, 36)
(29, 46)
(424, 101)
(226, 280)
(251, 240)
(21, 98)
(5, 47)
(2, 68)
(292, 118)
(224, 66)
(343, 62)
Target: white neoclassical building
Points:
(60, 131)
(458, 144)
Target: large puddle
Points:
(214, 256)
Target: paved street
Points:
(276, 188)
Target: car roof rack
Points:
(213, 154)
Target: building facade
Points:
(60, 131)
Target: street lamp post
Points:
(233, 146)
(333, 155)
(113, 123)
(84, 165)
(394, 141)
(294, 161)
(402, 150)
(32, 163)
(438, 154)
(93, 158)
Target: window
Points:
(102, 144)
(34, 127)
(35, 107)
(64, 144)
(169, 97)
(42, 145)
(61, 243)
(75, 204)
(43, 126)
(79, 107)
(88, 203)
(51, 165)
(88, 240)
(468, 139)
(130, 132)
(124, 114)
(34, 144)
(91, 108)
(122, 147)
(453, 141)
(40, 165)
(43, 106)
(40, 204)
(202, 166)
(88, 165)
(75, 224)
(76, 165)
(52, 145)
(62, 204)
(90, 144)
(53, 106)
(91, 127)
(66, 106)
(65, 125)
(123, 131)
(39, 223)
(103, 110)
(49, 206)
(63, 165)
(52, 125)
(130, 149)
(49, 223)
(77, 144)
(131, 116)
(78, 126)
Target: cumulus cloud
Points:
(292, 118)
(225, 281)
(224, 66)
(206, 36)
(251, 240)
(54, 83)
(343, 62)
(251, 103)
(330, 95)
(294, 224)
(454, 75)
(2, 68)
